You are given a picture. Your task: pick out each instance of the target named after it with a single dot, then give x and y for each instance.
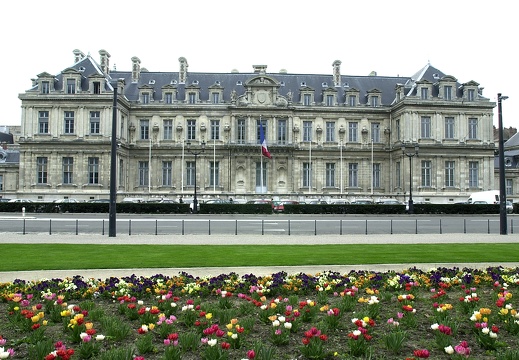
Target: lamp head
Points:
(203, 145)
(188, 145)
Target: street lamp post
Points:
(502, 183)
(113, 169)
(195, 153)
(410, 155)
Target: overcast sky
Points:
(471, 40)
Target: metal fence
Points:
(282, 227)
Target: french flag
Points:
(264, 149)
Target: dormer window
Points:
(71, 86)
(307, 99)
(45, 87)
(330, 100)
(352, 100)
(424, 93)
(215, 97)
(97, 87)
(374, 100)
(168, 98)
(191, 98)
(145, 98)
(447, 92)
(471, 95)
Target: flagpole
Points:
(261, 158)
(214, 165)
(182, 169)
(310, 167)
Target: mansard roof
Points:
(285, 82)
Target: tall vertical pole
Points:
(411, 205)
(149, 161)
(341, 169)
(195, 199)
(113, 169)
(372, 169)
(502, 182)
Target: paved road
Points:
(10, 238)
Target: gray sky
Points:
(471, 40)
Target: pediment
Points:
(262, 81)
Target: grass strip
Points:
(17, 257)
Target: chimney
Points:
(78, 55)
(260, 69)
(136, 69)
(337, 73)
(182, 72)
(105, 61)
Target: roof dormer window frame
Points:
(447, 88)
(352, 97)
(374, 98)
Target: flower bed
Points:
(441, 313)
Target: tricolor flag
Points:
(263, 142)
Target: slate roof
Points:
(235, 81)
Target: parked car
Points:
(4, 200)
(340, 202)
(389, 202)
(509, 207)
(65, 201)
(97, 201)
(363, 202)
(279, 206)
(20, 201)
(216, 201)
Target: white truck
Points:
(484, 197)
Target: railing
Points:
(270, 226)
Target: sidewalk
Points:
(9, 238)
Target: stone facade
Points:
(330, 136)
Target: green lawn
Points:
(17, 257)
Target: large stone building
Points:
(330, 135)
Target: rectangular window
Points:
(397, 126)
(282, 131)
(264, 122)
(191, 130)
(473, 174)
(168, 129)
(352, 100)
(307, 99)
(449, 128)
(307, 174)
(214, 177)
(41, 169)
(97, 87)
(375, 132)
(215, 129)
(1, 182)
(258, 175)
(398, 175)
(145, 98)
(144, 168)
(71, 86)
(330, 131)
(192, 98)
(240, 136)
(352, 131)
(167, 170)
(353, 172)
(449, 173)
(69, 122)
(473, 128)
(190, 173)
(43, 122)
(68, 167)
(447, 92)
(330, 174)
(426, 173)
(425, 127)
(374, 101)
(376, 175)
(330, 100)
(144, 129)
(216, 98)
(93, 170)
(425, 93)
(95, 122)
(509, 186)
(168, 98)
(307, 131)
(45, 87)
(471, 95)
(121, 178)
